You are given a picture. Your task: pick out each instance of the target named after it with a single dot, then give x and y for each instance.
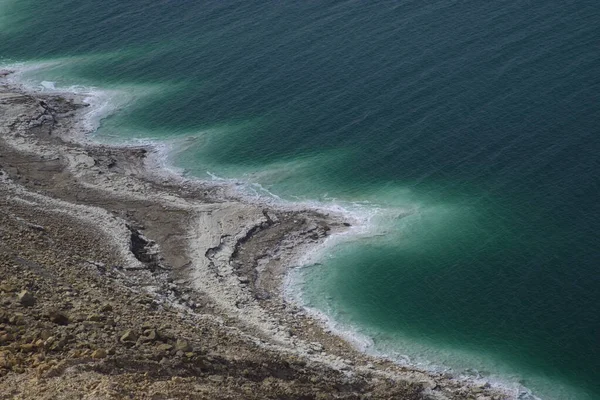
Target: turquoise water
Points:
(469, 130)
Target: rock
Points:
(216, 378)
(43, 367)
(45, 334)
(244, 280)
(16, 319)
(26, 298)
(150, 335)
(49, 341)
(5, 287)
(27, 348)
(7, 337)
(58, 346)
(94, 318)
(106, 308)
(183, 345)
(59, 318)
(98, 354)
(272, 217)
(318, 347)
(147, 325)
(85, 160)
(128, 337)
(164, 347)
(311, 227)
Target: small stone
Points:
(16, 319)
(164, 347)
(128, 337)
(183, 345)
(7, 337)
(43, 367)
(60, 345)
(318, 347)
(94, 318)
(100, 353)
(272, 217)
(45, 334)
(26, 298)
(27, 348)
(49, 341)
(106, 308)
(147, 325)
(217, 378)
(59, 318)
(5, 287)
(150, 335)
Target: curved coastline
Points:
(267, 313)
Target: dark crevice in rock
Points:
(144, 250)
(253, 231)
(210, 253)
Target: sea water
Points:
(464, 134)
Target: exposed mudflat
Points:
(119, 280)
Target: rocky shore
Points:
(120, 281)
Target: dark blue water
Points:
(472, 129)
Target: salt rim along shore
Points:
(210, 263)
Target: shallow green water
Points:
(468, 131)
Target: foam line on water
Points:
(103, 102)
(365, 343)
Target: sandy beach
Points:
(120, 279)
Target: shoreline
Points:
(228, 255)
